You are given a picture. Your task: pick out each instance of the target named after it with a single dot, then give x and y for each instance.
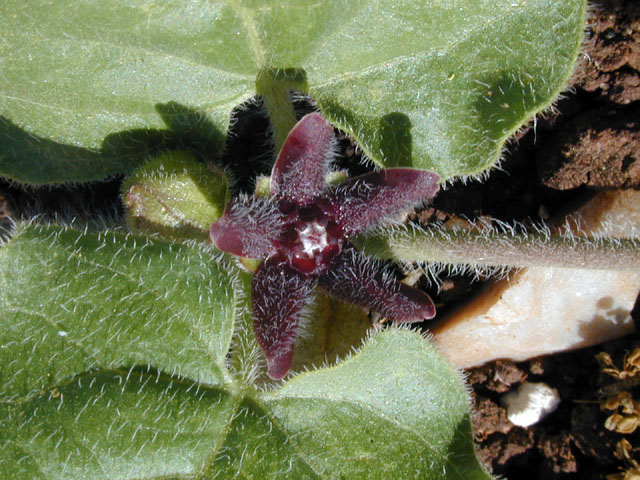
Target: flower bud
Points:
(175, 197)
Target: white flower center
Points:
(313, 238)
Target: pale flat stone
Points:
(540, 311)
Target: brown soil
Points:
(572, 442)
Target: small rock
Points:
(506, 373)
(530, 403)
(536, 366)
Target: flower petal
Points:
(362, 201)
(278, 293)
(355, 278)
(299, 173)
(249, 227)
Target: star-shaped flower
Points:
(303, 232)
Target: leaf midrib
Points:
(250, 26)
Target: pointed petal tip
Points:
(423, 182)
(355, 278)
(225, 239)
(278, 293)
(313, 122)
(367, 199)
(417, 307)
(278, 365)
(315, 117)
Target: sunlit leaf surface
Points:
(88, 89)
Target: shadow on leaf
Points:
(33, 160)
(395, 139)
(392, 137)
(461, 461)
(503, 100)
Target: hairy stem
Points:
(246, 360)
(510, 248)
(275, 87)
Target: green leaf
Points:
(114, 424)
(397, 409)
(442, 85)
(330, 335)
(73, 301)
(88, 90)
(394, 410)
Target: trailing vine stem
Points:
(511, 247)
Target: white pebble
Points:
(530, 403)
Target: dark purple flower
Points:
(303, 232)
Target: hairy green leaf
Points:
(114, 365)
(333, 329)
(73, 302)
(394, 410)
(88, 90)
(114, 424)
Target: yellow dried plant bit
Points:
(630, 474)
(629, 425)
(611, 403)
(607, 366)
(626, 402)
(612, 422)
(623, 452)
(622, 424)
(605, 360)
(623, 449)
(631, 365)
(632, 361)
(615, 373)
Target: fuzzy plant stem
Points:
(246, 357)
(275, 87)
(281, 114)
(512, 248)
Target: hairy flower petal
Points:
(299, 173)
(249, 227)
(278, 293)
(355, 278)
(363, 201)
(302, 231)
